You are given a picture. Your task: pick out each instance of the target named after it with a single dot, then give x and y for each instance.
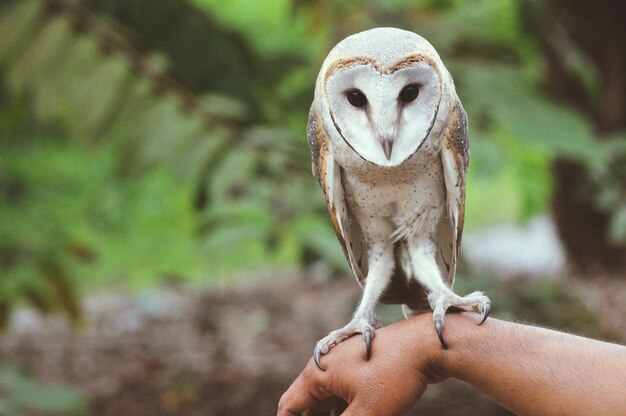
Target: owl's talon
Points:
(486, 310)
(442, 301)
(439, 329)
(316, 357)
(367, 334)
(362, 325)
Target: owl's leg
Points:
(364, 321)
(422, 251)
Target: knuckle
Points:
(283, 404)
(309, 375)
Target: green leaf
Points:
(317, 234)
(27, 396)
(617, 226)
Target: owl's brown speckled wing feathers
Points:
(328, 175)
(455, 161)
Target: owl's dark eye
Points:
(409, 93)
(356, 98)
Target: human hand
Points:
(405, 358)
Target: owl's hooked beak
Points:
(387, 147)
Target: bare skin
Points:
(529, 370)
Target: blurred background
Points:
(164, 248)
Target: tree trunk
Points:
(597, 29)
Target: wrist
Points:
(461, 332)
(426, 348)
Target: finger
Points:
(295, 400)
(303, 394)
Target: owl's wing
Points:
(328, 175)
(455, 160)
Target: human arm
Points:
(530, 370)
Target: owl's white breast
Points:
(412, 195)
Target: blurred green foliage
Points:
(20, 395)
(107, 179)
(113, 171)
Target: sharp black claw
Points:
(439, 328)
(367, 334)
(316, 358)
(485, 313)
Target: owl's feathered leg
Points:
(364, 320)
(422, 252)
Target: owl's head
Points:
(381, 91)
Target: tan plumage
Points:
(389, 148)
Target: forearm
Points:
(535, 371)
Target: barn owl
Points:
(389, 147)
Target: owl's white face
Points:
(383, 113)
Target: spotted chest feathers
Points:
(412, 200)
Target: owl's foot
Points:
(440, 302)
(361, 325)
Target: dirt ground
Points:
(181, 352)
